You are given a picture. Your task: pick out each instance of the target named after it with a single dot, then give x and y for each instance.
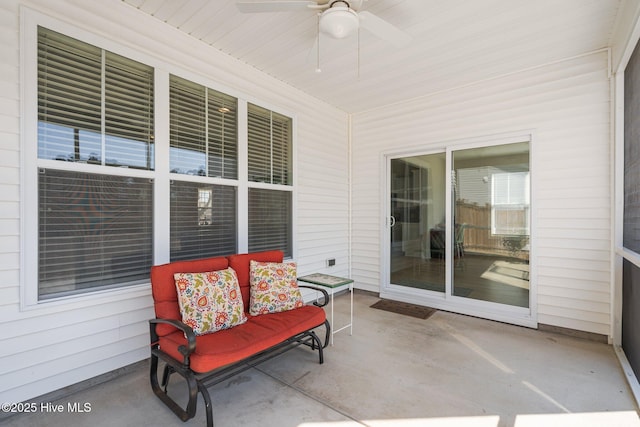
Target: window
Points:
(97, 193)
(95, 108)
(204, 142)
(269, 146)
(270, 220)
(203, 127)
(203, 220)
(510, 203)
(270, 160)
(95, 231)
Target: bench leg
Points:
(315, 340)
(165, 376)
(327, 335)
(207, 404)
(192, 384)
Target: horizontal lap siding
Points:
(9, 156)
(566, 105)
(49, 348)
(322, 190)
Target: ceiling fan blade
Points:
(274, 6)
(383, 29)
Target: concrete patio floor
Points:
(395, 370)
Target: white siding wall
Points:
(48, 348)
(566, 107)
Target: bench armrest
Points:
(325, 294)
(188, 334)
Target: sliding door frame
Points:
(446, 301)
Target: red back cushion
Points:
(240, 263)
(163, 286)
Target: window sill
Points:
(89, 299)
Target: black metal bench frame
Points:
(198, 382)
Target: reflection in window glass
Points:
(205, 206)
(418, 208)
(510, 203)
(57, 142)
(195, 231)
(490, 238)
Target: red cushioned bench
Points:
(207, 359)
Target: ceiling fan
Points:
(336, 18)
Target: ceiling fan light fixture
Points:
(339, 21)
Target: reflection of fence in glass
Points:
(477, 235)
(511, 220)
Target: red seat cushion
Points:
(257, 334)
(165, 296)
(241, 264)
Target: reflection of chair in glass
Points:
(437, 242)
(459, 248)
(421, 261)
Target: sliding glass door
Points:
(417, 250)
(459, 226)
(491, 197)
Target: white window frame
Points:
(500, 312)
(30, 20)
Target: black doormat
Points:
(405, 308)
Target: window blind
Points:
(203, 220)
(269, 156)
(128, 113)
(270, 220)
(203, 130)
(95, 231)
(69, 98)
(85, 92)
(510, 203)
(223, 135)
(281, 149)
(94, 107)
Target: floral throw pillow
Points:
(210, 301)
(273, 287)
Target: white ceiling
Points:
(455, 43)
